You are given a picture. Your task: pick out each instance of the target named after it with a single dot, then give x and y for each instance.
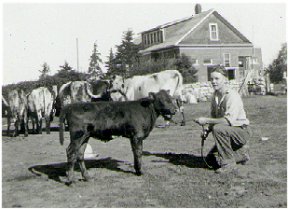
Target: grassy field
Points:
(33, 168)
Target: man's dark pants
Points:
(231, 145)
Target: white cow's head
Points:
(118, 89)
(117, 83)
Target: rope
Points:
(202, 147)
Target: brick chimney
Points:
(198, 9)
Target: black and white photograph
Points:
(144, 104)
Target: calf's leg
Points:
(73, 152)
(137, 146)
(71, 160)
(81, 162)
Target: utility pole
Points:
(77, 54)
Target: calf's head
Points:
(163, 104)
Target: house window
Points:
(213, 31)
(148, 39)
(144, 40)
(226, 58)
(152, 37)
(254, 60)
(207, 61)
(241, 63)
(194, 61)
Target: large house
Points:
(208, 40)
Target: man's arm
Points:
(211, 121)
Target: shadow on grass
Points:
(191, 161)
(56, 170)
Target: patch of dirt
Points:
(34, 168)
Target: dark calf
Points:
(132, 119)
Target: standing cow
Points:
(40, 104)
(17, 101)
(138, 87)
(132, 119)
(81, 91)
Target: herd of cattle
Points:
(44, 103)
(101, 109)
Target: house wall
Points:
(201, 35)
(197, 45)
(216, 54)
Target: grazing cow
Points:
(40, 103)
(139, 86)
(132, 119)
(81, 91)
(17, 101)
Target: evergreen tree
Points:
(127, 53)
(110, 64)
(44, 71)
(94, 65)
(279, 66)
(185, 67)
(66, 67)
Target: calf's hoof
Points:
(86, 176)
(69, 183)
(139, 173)
(183, 123)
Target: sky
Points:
(34, 33)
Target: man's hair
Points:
(220, 69)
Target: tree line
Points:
(125, 62)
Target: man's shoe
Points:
(242, 155)
(226, 168)
(244, 160)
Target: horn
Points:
(89, 92)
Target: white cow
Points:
(40, 104)
(138, 87)
(17, 101)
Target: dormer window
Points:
(152, 37)
(213, 28)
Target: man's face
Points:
(218, 80)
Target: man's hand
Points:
(202, 121)
(205, 133)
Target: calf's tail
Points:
(62, 125)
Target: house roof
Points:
(176, 31)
